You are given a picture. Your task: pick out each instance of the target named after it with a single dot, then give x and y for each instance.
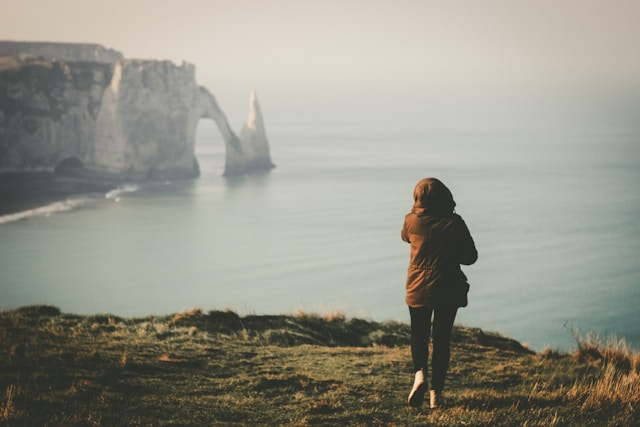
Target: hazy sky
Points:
(327, 44)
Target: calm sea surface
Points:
(555, 216)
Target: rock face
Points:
(253, 138)
(121, 119)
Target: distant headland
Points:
(86, 111)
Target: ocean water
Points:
(555, 216)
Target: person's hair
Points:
(432, 195)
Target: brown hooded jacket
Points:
(440, 242)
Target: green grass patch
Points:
(219, 368)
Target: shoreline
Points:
(24, 191)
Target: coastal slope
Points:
(219, 368)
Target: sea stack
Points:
(253, 138)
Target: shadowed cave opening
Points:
(69, 166)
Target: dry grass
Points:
(618, 380)
(218, 368)
(7, 408)
(195, 312)
(612, 351)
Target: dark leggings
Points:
(420, 332)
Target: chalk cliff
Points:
(109, 117)
(253, 138)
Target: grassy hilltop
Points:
(218, 368)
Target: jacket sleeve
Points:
(404, 234)
(467, 252)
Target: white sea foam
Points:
(117, 192)
(47, 210)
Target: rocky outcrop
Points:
(253, 138)
(245, 154)
(126, 120)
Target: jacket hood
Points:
(431, 196)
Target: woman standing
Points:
(436, 286)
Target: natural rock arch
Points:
(245, 154)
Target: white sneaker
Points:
(416, 397)
(436, 399)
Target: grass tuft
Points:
(194, 313)
(7, 408)
(39, 310)
(618, 379)
(612, 351)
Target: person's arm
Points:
(467, 252)
(404, 234)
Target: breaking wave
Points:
(66, 205)
(47, 210)
(117, 192)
